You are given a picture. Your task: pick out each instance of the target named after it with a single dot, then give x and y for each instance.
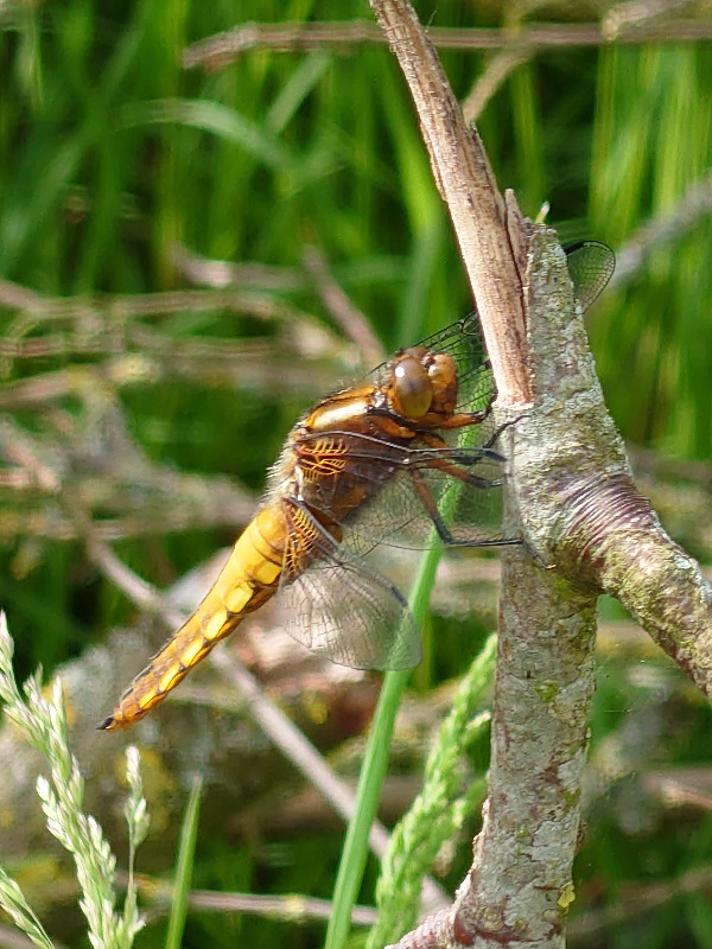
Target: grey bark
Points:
(570, 494)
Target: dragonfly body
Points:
(367, 465)
(308, 499)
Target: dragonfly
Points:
(371, 464)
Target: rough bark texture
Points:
(571, 492)
(634, 560)
(575, 492)
(519, 888)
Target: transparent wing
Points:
(337, 606)
(591, 265)
(406, 489)
(414, 504)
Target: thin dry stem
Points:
(217, 52)
(639, 900)
(488, 232)
(498, 70)
(129, 306)
(293, 907)
(628, 17)
(220, 274)
(346, 314)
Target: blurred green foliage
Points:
(111, 153)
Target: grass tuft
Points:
(43, 724)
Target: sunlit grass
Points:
(42, 723)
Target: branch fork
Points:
(571, 495)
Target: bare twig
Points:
(218, 51)
(91, 452)
(636, 901)
(21, 450)
(129, 306)
(18, 297)
(498, 70)
(631, 15)
(294, 371)
(345, 313)
(490, 243)
(664, 229)
(292, 907)
(682, 787)
(220, 274)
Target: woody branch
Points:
(571, 492)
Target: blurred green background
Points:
(131, 360)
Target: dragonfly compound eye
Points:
(442, 372)
(412, 389)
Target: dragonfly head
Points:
(423, 382)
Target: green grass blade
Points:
(353, 856)
(212, 117)
(186, 853)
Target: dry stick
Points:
(132, 305)
(220, 274)
(299, 370)
(344, 311)
(291, 907)
(663, 229)
(633, 14)
(498, 70)
(466, 183)
(639, 900)
(280, 729)
(578, 507)
(220, 50)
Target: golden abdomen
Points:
(248, 579)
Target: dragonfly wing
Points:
(591, 265)
(395, 480)
(403, 514)
(340, 608)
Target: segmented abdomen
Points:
(247, 580)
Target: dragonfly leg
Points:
(430, 505)
(463, 419)
(461, 456)
(475, 481)
(501, 428)
(467, 457)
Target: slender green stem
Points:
(184, 870)
(353, 856)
